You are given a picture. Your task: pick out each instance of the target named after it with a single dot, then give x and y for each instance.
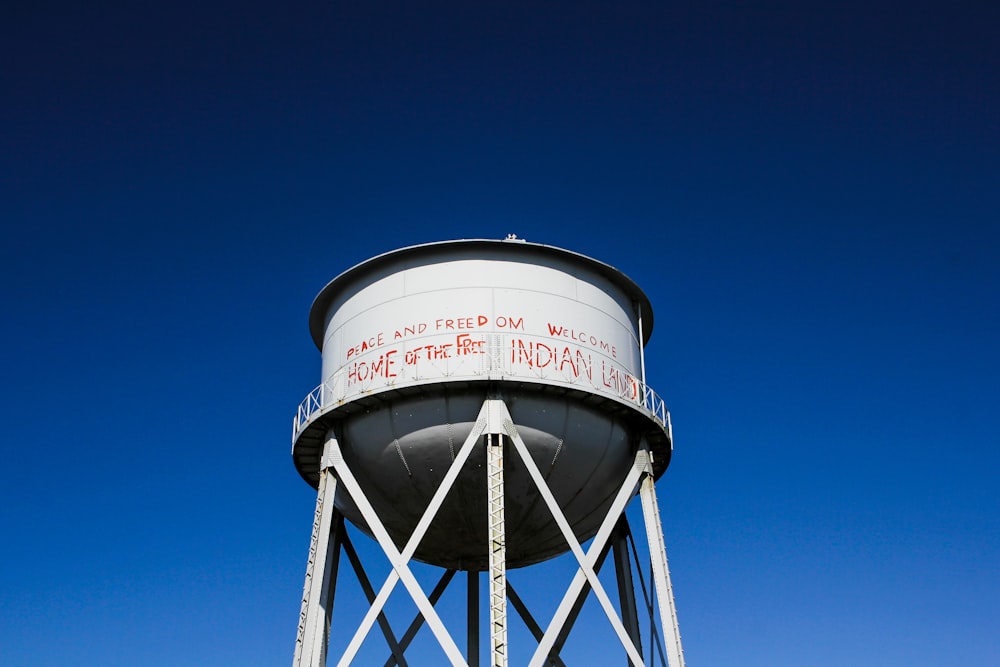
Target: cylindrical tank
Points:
(413, 342)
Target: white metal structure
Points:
(483, 407)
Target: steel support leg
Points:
(661, 573)
(497, 554)
(321, 576)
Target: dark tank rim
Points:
(517, 248)
(307, 450)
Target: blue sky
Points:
(808, 193)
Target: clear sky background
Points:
(807, 191)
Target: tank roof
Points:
(519, 248)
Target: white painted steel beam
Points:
(577, 606)
(366, 587)
(661, 573)
(497, 548)
(418, 621)
(530, 622)
(585, 561)
(398, 560)
(585, 575)
(321, 577)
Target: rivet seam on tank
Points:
(556, 455)
(451, 441)
(399, 450)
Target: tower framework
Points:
(495, 426)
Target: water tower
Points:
(483, 407)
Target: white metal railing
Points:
(493, 358)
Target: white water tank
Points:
(413, 342)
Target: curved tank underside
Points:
(400, 444)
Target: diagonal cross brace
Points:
(585, 573)
(366, 587)
(530, 621)
(654, 635)
(399, 560)
(418, 620)
(400, 572)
